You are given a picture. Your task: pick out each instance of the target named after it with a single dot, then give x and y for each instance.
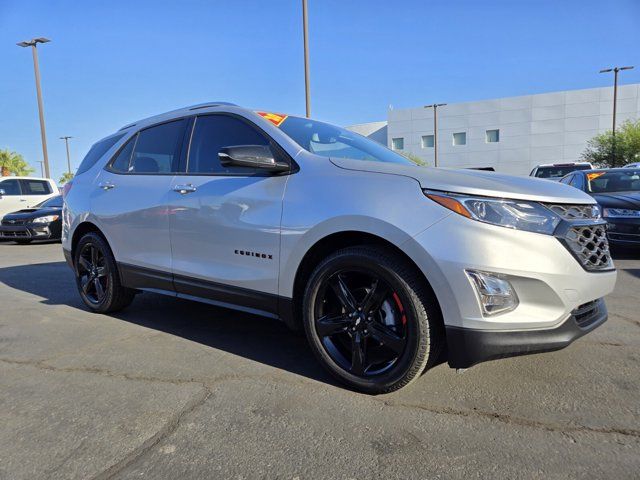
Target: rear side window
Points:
(122, 162)
(96, 152)
(157, 149)
(213, 132)
(10, 187)
(35, 187)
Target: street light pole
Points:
(615, 71)
(32, 43)
(305, 29)
(41, 168)
(435, 130)
(66, 141)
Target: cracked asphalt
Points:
(172, 389)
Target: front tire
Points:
(371, 319)
(97, 276)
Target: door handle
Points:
(106, 185)
(184, 189)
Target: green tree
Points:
(414, 158)
(66, 176)
(13, 163)
(600, 149)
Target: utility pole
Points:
(32, 43)
(435, 130)
(66, 141)
(305, 29)
(615, 71)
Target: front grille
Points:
(15, 234)
(576, 212)
(10, 223)
(585, 314)
(590, 246)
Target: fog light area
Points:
(495, 293)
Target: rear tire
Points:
(97, 276)
(371, 319)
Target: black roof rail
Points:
(191, 107)
(211, 104)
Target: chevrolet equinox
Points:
(387, 266)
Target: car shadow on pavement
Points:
(260, 339)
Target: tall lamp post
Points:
(435, 130)
(32, 43)
(305, 30)
(66, 141)
(615, 71)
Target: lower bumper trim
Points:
(467, 347)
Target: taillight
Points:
(66, 188)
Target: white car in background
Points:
(633, 165)
(555, 171)
(18, 193)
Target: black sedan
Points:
(43, 222)
(617, 191)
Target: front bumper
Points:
(466, 346)
(29, 231)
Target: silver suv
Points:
(386, 265)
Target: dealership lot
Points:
(174, 389)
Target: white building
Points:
(510, 134)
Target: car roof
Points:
(598, 170)
(24, 178)
(177, 113)
(565, 164)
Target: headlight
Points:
(516, 214)
(620, 213)
(47, 219)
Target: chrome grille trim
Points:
(590, 246)
(575, 212)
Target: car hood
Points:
(29, 213)
(474, 182)
(630, 200)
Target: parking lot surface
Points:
(174, 389)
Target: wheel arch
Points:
(334, 242)
(80, 231)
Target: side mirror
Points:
(251, 156)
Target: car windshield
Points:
(559, 171)
(614, 181)
(51, 202)
(331, 141)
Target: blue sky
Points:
(110, 63)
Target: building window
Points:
(460, 138)
(493, 136)
(397, 143)
(427, 141)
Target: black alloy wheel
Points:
(97, 276)
(92, 272)
(361, 322)
(372, 319)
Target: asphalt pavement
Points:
(173, 389)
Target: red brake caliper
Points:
(400, 307)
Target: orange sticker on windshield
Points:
(593, 176)
(275, 118)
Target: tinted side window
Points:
(576, 181)
(567, 180)
(158, 148)
(122, 162)
(97, 151)
(213, 132)
(10, 187)
(35, 187)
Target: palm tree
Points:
(13, 163)
(65, 178)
